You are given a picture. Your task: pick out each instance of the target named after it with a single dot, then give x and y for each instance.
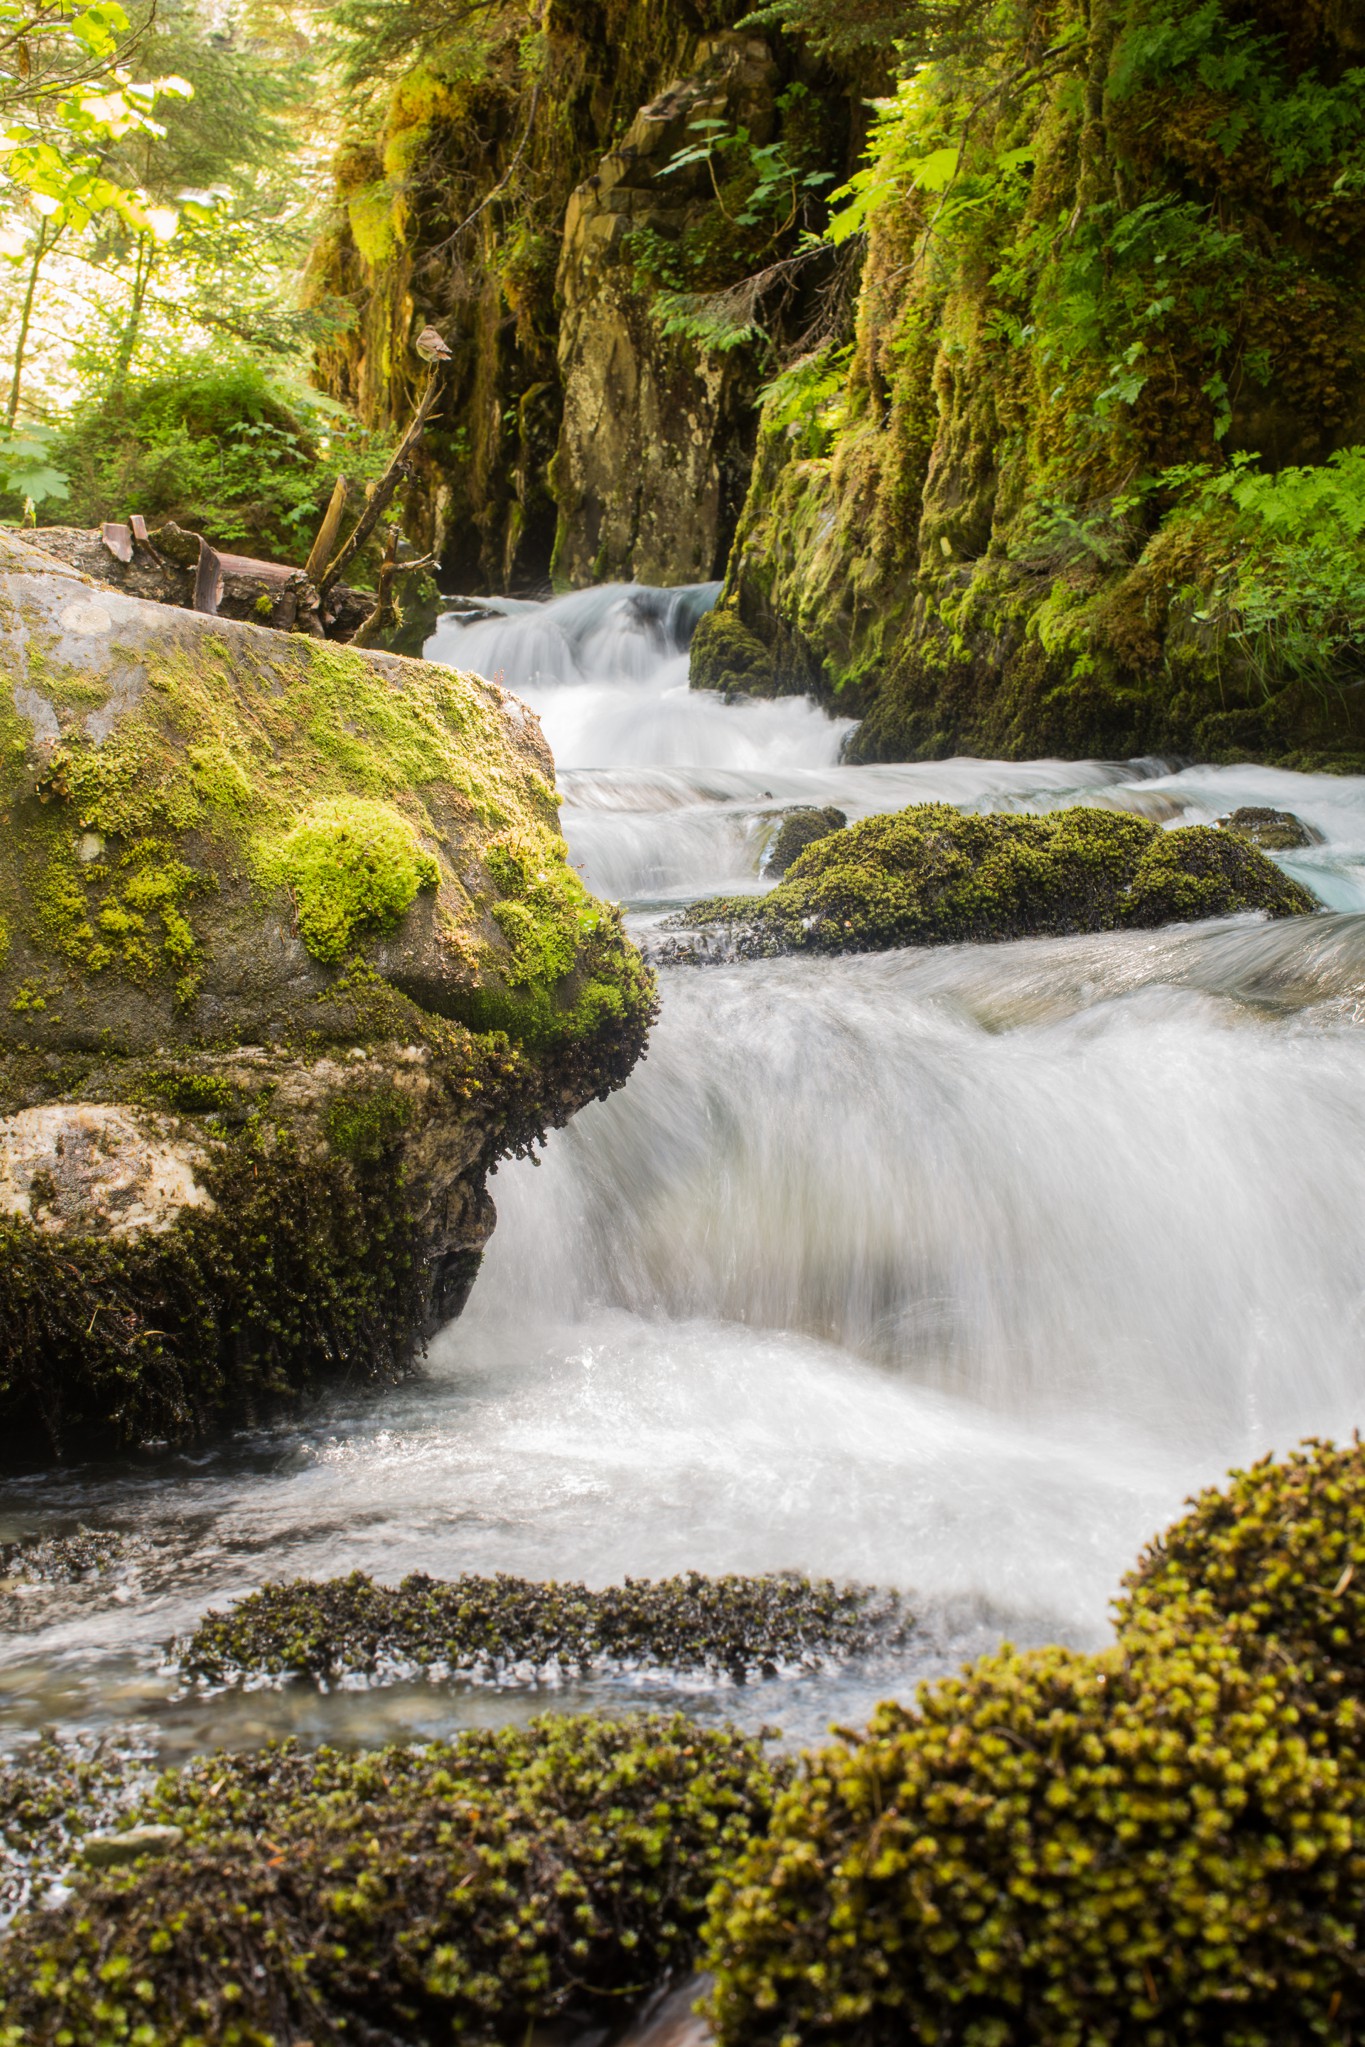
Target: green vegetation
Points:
(1155, 1845)
(1090, 485)
(931, 875)
(464, 1889)
(492, 1625)
(1158, 1844)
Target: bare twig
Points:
(385, 488)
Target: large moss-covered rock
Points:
(932, 875)
(290, 953)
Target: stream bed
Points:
(953, 1270)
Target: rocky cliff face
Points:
(1086, 476)
(517, 183)
(290, 954)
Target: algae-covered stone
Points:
(462, 1890)
(931, 875)
(1274, 831)
(801, 827)
(290, 953)
(727, 656)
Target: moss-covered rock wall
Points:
(510, 179)
(1088, 475)
(290, 953)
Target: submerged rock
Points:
(1274, 831)
(801, 827)
(746, 1626)
(932, 875)
(466, 1889)
(290, 954)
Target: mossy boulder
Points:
(727, 656)
(290, 953)
(1162, 1843)
(493, 1626)
(801, 827)
(932, 875)
(1274, 831)
(463, 1890)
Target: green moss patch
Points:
(465, 1890)
(488, 1626)
(932, 875)
(353, 867)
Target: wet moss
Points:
(1276, 1560)
(1124, 1848)
(932, 875)
(727, 656)
(353, 867)
(488, 1626)
(466, 1889)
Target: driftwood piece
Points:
(208, 580)
(118, 539)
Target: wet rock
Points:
(290, 953)
(801, 827)
(931, 875)
(728, 657)
(745, 1626)
(1274, 831)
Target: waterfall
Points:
(952, 1269)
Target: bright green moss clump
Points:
(464, 1890)
(931, 875)
(493, 1625)
(354, 867)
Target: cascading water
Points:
(953, 1270)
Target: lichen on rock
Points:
(293, 953)
(932, 875)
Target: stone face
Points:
(90, 1168)
(647, 418)
(290, 953)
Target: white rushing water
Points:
(953, 1270)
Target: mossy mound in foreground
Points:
(487, 1625)
(465, 1890)
(291, 952)
(1160, 1844)
(931, 875)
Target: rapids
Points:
(953, 1270)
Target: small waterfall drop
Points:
(954, 1270)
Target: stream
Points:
(952, 1270)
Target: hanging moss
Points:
(1083, 476)
(467, 1889)
(932, 875)
(489, 1626)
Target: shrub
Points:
(218, 446)
(1122, 1848)
(463, 1889)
